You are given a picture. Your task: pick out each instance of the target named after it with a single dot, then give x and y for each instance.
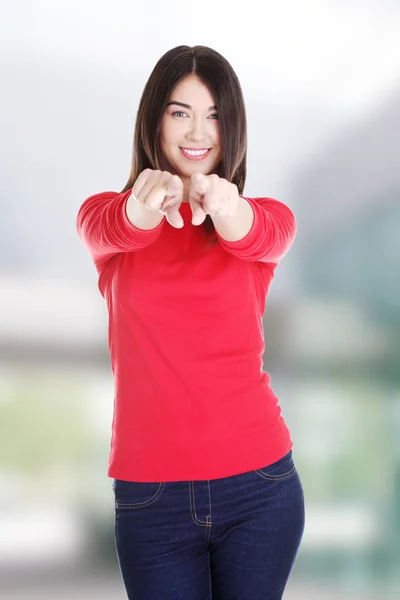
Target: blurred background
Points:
(322, 89)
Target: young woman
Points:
(208, 500)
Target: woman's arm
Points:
(267, 239)
(110, 222)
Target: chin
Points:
(198, 168)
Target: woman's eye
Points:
(179, 113)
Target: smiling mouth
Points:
(195, 154)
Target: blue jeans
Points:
(234, 538)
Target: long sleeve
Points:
(104, 228)
(271, 235)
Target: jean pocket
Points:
(136, 494)
(281, 469)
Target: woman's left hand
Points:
(212, 195)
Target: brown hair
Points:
(216, 72)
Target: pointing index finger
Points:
(198, 184)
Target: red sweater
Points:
(186, 341)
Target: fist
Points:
(213, 195)
(161, 191)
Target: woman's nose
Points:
(197, 130)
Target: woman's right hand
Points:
(160, 191)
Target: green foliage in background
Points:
(42, 422)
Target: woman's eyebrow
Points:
(187, 105)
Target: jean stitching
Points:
(193, 508)
(208, 530)
(122, 504)
(277, 477)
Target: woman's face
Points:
(190, 134)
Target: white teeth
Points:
(195, 152)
